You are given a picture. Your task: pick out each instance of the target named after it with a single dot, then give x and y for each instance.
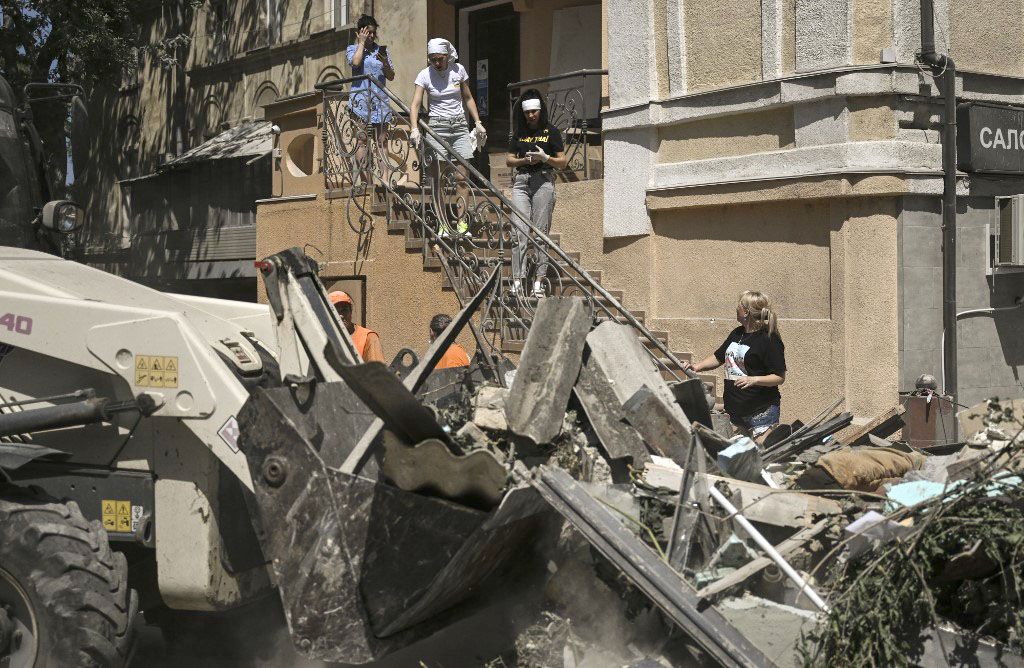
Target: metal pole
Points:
(943, 65)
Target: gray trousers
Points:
(534, 195)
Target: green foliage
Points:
(62, 41)
(963, 564)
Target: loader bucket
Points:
(363, 567)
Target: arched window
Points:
(329, 73)
(265, 94)
(210, 119)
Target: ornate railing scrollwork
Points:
(458, 215)
(572, 101)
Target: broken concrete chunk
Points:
(761, 503)
(548, 368)
(604, 412)
(741, 460)
(489, 408)
(616, 351)
(659, 424)
(473, 434)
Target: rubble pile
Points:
(827, 544)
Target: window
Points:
(1006, 233)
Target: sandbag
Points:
(864, 469)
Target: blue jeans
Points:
(759, 423)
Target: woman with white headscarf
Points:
(445, 82)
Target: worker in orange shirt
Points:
(456, 355)
(366, 341)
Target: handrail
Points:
(550, 247)
(556, 77)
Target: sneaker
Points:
(463, 227)
(538, 289)
(517, 287)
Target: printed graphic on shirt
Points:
(735, 365)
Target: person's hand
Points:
(687, 367)
(538, 155)
(746, 381)
(414, 137)
(481, 134)
(363, 35)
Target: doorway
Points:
(491, 40)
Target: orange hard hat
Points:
(339, 297)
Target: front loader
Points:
(176, 454)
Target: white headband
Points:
(532, 104)
(440, 45)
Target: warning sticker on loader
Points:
(156, 371)
(120, 516)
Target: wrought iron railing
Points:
(456, 213)
(573, 101)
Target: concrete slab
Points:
(548, 368)
(604, 412)
(489, 408)
(659, 424)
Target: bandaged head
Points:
(531, 104)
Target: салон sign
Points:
(990, 138)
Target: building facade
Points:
(793, 146)
(789, 146)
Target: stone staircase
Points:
(399, 194)
(513, 341)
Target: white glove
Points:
(481, 134)
(538, 155)
(414, 137)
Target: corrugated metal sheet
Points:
(242, 141)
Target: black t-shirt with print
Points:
(549, 139)
(751, 354)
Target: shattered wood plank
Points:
(883, 425)
(687, 512)
(604, 412)
(641, 566)
(760, 502)
(659, 425)
(785, 548)
(548, 368)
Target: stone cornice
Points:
(872, 80)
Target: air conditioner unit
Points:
(1006, 235)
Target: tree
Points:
(74, 41)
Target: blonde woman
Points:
(755, 365)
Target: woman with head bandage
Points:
(536, 151)
(445, 83)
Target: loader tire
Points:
(64, 595)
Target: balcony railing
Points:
(573, 101)
(368, 157)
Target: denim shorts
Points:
(759, 423)
(453, 130)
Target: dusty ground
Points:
(471, 642)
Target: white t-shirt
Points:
(444, 89)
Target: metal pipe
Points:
(943, 65)
(54, 417)
(769, 549)
(556, 77)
